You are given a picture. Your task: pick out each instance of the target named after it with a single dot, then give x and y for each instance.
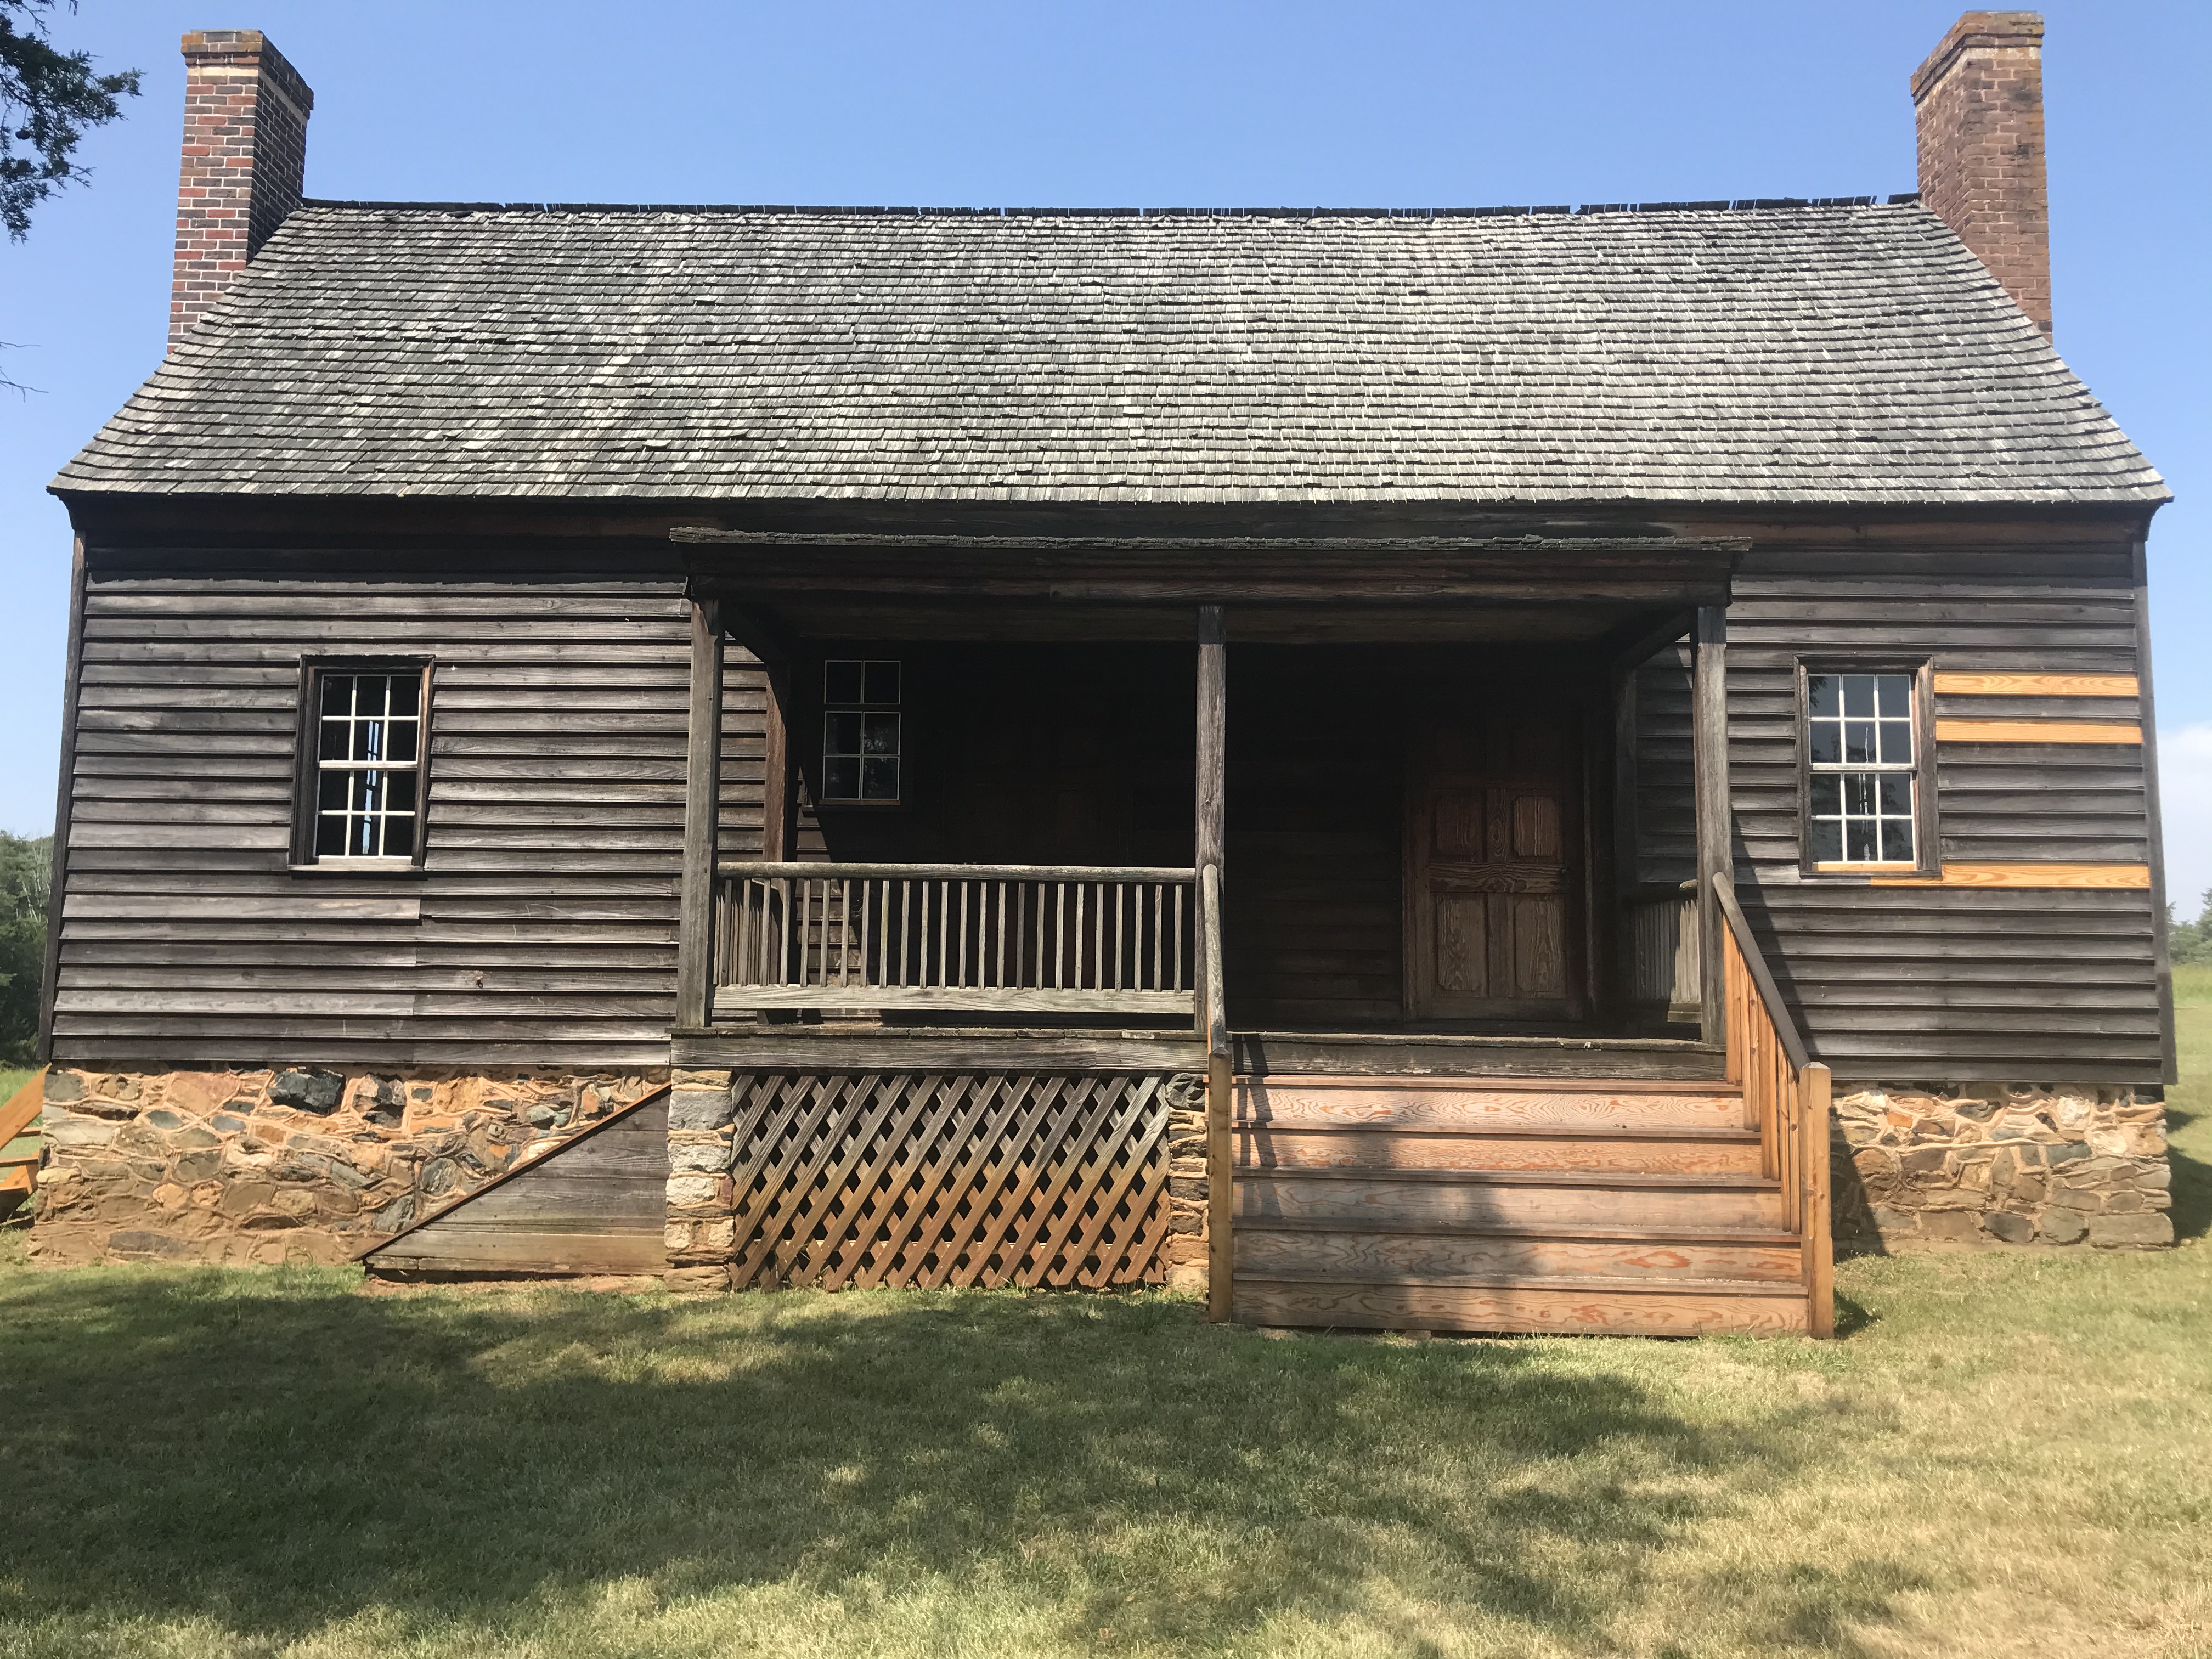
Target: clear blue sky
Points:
(1135, 103)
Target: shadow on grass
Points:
(274, 1453)
(2193, 1181)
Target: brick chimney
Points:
(244, 162)
(1979, 100)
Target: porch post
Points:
(703, 791)
(1716, 859)
(1208, 840)
(778, 798)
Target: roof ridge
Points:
(1740, 205)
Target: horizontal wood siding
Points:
(541, 928)
(1957, 983)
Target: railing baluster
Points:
(1178, 938)
(1058, 935)
(966, 887)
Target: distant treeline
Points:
(2192, 941)
(27, 871)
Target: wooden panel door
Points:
(1493, 838)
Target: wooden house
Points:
(1513, 769)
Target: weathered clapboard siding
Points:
(542, 927)
(1931, 983)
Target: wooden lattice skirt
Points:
(963, 1178)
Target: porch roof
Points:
(1843, 353)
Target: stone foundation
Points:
(2000, 1163)
(702, 1199)
(287, 1164)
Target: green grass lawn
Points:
(11, 1079)
(2007, 1455)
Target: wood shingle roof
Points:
(1851, 353)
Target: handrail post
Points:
(1814, 1086)
(1220, 1163)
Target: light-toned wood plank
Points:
(1383, 1203)
(2028, 875)
(543, 1252)
(1538, 1308)
(22, 1106)
(1957, 731)
(1271, 1149)
(733, 1000)
(1267, 1253)
(2035, 686)
(1416, 1104)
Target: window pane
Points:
(1827, 739)
(840, 734)
(1897, 840)
(1858, 792)
(841, 778)
(1821, 692)
(368, 740)
(1827, 841)
(337, 694)
(840, 681)
(879, 780)
(399, 794)
(1896, 794)
(1859, 838)
(879, 734)
(1828, 794)
(1896, 695)
(330, 834)
(336, 735)
(1858, 694)
(403, 740)
(1897, 743)
(399, 838)
(406, 693)
(331, 791)
(881, 684)
(1858, 741)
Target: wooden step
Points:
(1385, 1201)
(1658, 1151)
(1265, 1252)
(1482, 1104)
(1533, 1306)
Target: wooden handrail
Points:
(26, 1104)
(1217, 996)
(1793, 1045)
(1786, 1098)
(818, 869)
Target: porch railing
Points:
(1786, 1095)
(967, 938)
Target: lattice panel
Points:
(963, 1178)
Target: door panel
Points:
(1493, 822)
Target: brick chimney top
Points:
(1979, 102)
(244, 166)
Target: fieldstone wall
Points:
(2000, 1163)
(702, 1198)
(289, 1164)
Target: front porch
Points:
(1054, 919)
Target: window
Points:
(860, 733)
(361, 775)
(1864, 736)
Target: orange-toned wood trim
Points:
(2026, 875)
(2037, 685)
(1845, 868)
(2038, 732)
(22, 1106)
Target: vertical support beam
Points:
(779, 800)
(702, 792)
(65, 800)
(1210, 830)
(1814, 1087)
(1715, 861)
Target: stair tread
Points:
(1606, 1283)
(1692, 1088)
(1603, 1180)
(1593, 1231)
(1512, 1131)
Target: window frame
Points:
(307, 774)
(1926, 820)
(824, 708)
